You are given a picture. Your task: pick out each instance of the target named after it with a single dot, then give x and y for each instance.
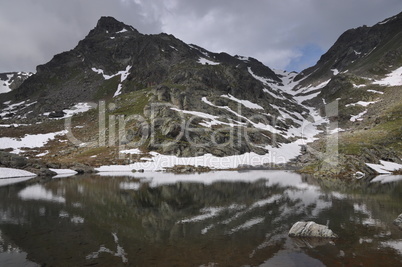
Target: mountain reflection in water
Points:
(219, 218)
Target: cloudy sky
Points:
(283, 34)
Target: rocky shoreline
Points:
(348, 167)
(39, 167)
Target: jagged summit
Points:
(113, 46)
(111, 25)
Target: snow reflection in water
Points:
(221, 218)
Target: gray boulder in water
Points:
(398, 222)
(311, 229)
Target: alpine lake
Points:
(223, 218)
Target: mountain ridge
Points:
(167, 83)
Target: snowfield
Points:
(12, 173)
(5, 85)
(28, 141)
(392, 79)
(385, 167)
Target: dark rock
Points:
(54, 165)
(11, 160)
(82, 168)
(57, 114)
(46, 172)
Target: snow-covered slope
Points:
(12, 80)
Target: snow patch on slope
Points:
(28, 141)
(392, 79)
(205, 61)
(246, 103)
(375, 92)
(123, 74)
(310, 92)
(5, 85)
(14, 108)
(358, 117)
(362, 103)
(259, 125)
(76, 109)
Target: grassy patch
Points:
(175, 85)
(108, 88)
(132, 103)
(388, 134)
(93, 152)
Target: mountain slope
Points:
(361, 74)
(155, 102)
(12, 80)
(156, 93)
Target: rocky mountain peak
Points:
(108, 24)
(364, 50)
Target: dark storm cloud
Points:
(31, 32)
(278, 33)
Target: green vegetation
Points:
(132, 103)
(108, 88)
(175, 85)
(386, 133)
(93, 151)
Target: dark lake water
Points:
(211, 219)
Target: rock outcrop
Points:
(398, 222)
(311, 229)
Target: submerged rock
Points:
(311, 242)
(311, 229)
(398, 222)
